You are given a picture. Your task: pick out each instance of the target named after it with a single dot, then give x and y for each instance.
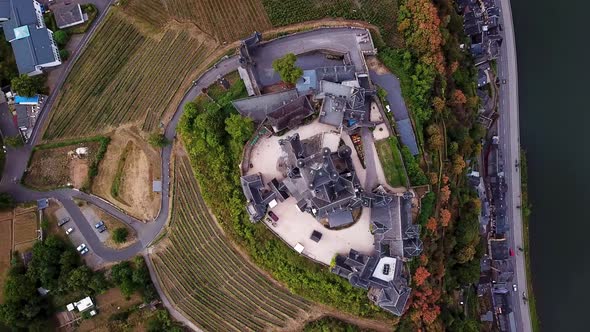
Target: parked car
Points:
(63, 221)
(81, 247)
(69, 231)
(273, 216)
(511, 252)
(84, 251)
(514, 288)
(99, 224)
(102, 228)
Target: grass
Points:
(392, 163)
(526, 212)
(116, 186)
(206, 278)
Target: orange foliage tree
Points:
(445, 217)
(421, 275)
(432, 224)
(445, 194)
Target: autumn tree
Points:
(445, 194)
(430, 314)
(445, 217)
(286, 68)
(421, 275)
(432, 224)
(433, 178)
(435, 139)
(458, 164)
(466, 254)
(439, 104)
(459, 97)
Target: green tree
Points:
(120, 235)
(286, 68)
(61, 37)
(64, 54)
(6, 201)
(158, 140)
(26, 85)
(79, 279)
(98, 284)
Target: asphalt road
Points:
(510, 149)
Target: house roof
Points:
(257, 197)
(32, 46)
(68, 15)
(258, 107)
(291, 114)
(406, 133)
(22, 116)
(308, 82)
(4, 9)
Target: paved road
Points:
(340, 40)
(510, 148)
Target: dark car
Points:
(99, 224)
(102, 228)
(63, 221)
(273, 216)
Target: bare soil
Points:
(374, 64)
(25, 229)
(142, 167)
(5, 251)
(109, 303)
(51, 168)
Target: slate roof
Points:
(345, 106)
(323, 182)
(257, 197)
(68, 15)
(291, 114)
(258, 107)
(4, 9)
(35, 47)
(22, 116)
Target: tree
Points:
(61, 37)
(439, 104)
(436, 139)
(432, 224)
(458, 164)
(26, 85)
(421, 275)
(14, 141)
(158, 140)
(459, 97)
(445, 217)
(6, 201)
(286, 68)
(64, 54)
(433, 177)
(445, 194)
(465, 255)
(79, 279)
(120, 234)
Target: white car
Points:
(514, 288)
(84, 251)
(81, 247)
(70, 230)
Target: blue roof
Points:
(26, 100)
(309, 81)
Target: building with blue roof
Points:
(31, 41)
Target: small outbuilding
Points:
(316, 236)
(157, 186)
(68, 15)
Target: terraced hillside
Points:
(207, 279)
(227, 20)
(125, 75)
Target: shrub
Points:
(120, 235)
(158, 140)
(64, 54)
(61, 37)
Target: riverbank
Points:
(526, 213)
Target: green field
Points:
(207, 279)
(392, 163)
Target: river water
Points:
(554, 92)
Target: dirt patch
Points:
(5, 251)
(142, 165)
(58, 167)
(112, 223)
(25, 230)
(109, 303)
(374, 64)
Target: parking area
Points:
(296, 227)
(76, 237)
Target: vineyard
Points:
(227, 20)
(382, 13)
(125, 75)
(207, 279)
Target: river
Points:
(551, 41)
